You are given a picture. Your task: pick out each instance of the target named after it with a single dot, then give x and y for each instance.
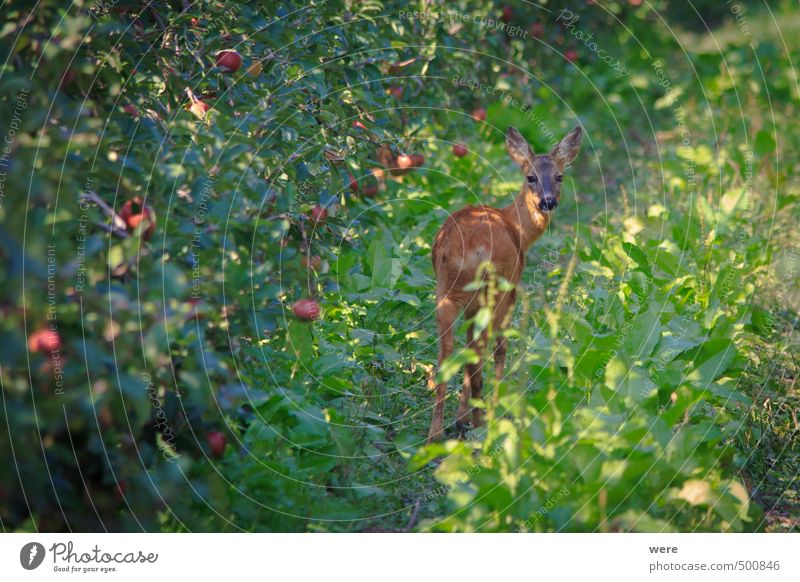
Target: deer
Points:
(475, 235)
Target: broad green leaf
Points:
(628, 381)
(644, 333)
(639, 257)
(723, 353)
(454, 363)
(482, 319)
(300, 341)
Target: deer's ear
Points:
(569, 147)
(518, 148)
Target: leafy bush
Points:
(162, 214)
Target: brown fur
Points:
(476, 234)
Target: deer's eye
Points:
(532, 179)
(559, 178)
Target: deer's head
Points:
(543, 173)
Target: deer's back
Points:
(471, 236)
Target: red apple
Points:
(479, 114)
(199, 108)
(508, 13)
(229, 60)
(396, 91)
(418, 160)
(459, 150)
(319, 214)
(352, 182)
(571, 55)
(404, 162)
(537, 29)
(216, 440)
(44, 340)
(306, 309)
(134, 212)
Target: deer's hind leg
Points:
(446, 314)
(500, 319)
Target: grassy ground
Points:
(769, 444)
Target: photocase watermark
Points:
(551, 502)
(80, 238)
(52, 316)
(10, 137)
(569, 20)
(199, 220)
(454, 17)
(31, 555)
(161, 423)
(738, 13)
(66, 559)
(680, 117)
(742, 234)
(546, 265)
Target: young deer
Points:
(476, 234)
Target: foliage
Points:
(625, 407)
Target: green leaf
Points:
(454, 363)
(300, 340)
(712, 368)
(765, 143)
(135, 393)
(644, 333)
(412, 300)
(631, 382)
(116, 255)
(639, 257)
(385, 270)
(481, 320)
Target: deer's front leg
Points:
(500, 321)
(500, 350)
(473, 382)
(446, 313)
(471, 376)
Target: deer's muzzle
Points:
(548, 204)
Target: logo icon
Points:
(31, 555)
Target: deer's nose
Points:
(548, 204)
